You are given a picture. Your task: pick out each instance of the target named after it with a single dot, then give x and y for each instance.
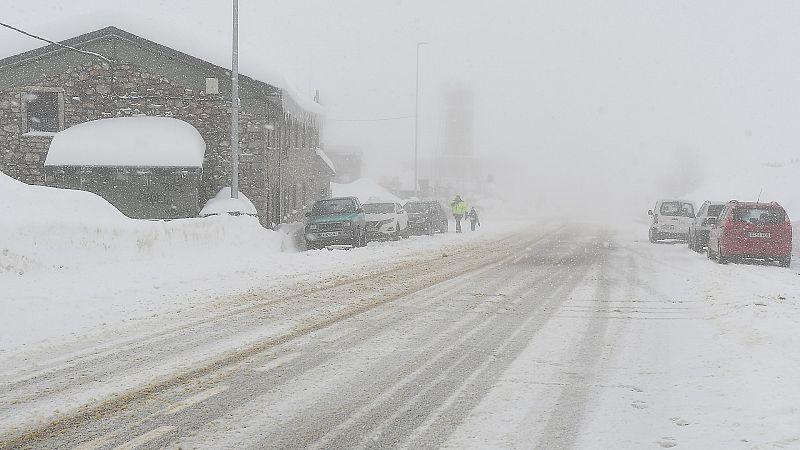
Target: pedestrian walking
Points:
(459, 208)
(473, 219)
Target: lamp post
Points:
(235, 104)
(416, 126)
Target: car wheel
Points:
(709, 253)
(430, 230)
(785, 262)
(653, 235)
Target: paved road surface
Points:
(409, 358)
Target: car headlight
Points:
(312, 227)
(384, 222)
(347, 224)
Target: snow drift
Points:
(49, 228)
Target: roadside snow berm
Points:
(222, 203)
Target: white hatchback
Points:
(386, 221)
(671, 220)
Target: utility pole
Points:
(416, 126)
(235, 104)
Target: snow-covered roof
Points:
(222, 203)
(210, 44)
(366, 190)
(128, 142)
(325, 158)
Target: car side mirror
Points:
(360, 210)
(649, 212)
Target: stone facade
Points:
(279, 169)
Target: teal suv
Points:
(336, 221)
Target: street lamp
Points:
(416, 126)
(235, 104)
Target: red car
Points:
(753, 231)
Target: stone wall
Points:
(90, 93)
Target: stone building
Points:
(52, 88)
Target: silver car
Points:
(700, 228)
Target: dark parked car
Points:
(700, 227)
(336, 221)
(426, 217)
(751, 230)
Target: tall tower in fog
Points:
(457, 169)
(459, 119)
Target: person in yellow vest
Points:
(459, 208)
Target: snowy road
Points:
(574, 337)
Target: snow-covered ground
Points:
(72, 266)
(694, 355)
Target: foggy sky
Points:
(625, 99)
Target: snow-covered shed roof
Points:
(325, 158)
(128, 142)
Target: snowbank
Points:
(49, 228)
(223, 203)
(128, 141)
(366, 190)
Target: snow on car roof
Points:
(128, 142)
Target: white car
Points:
(386, 221)
(671, 220)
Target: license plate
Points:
(759, 235)
(329, 234)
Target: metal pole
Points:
(235, 104)
(416, 126)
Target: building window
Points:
(43, 111)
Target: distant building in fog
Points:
(348, 162)
(459, 115)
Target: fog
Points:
(592, 106)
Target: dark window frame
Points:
(25, 112)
